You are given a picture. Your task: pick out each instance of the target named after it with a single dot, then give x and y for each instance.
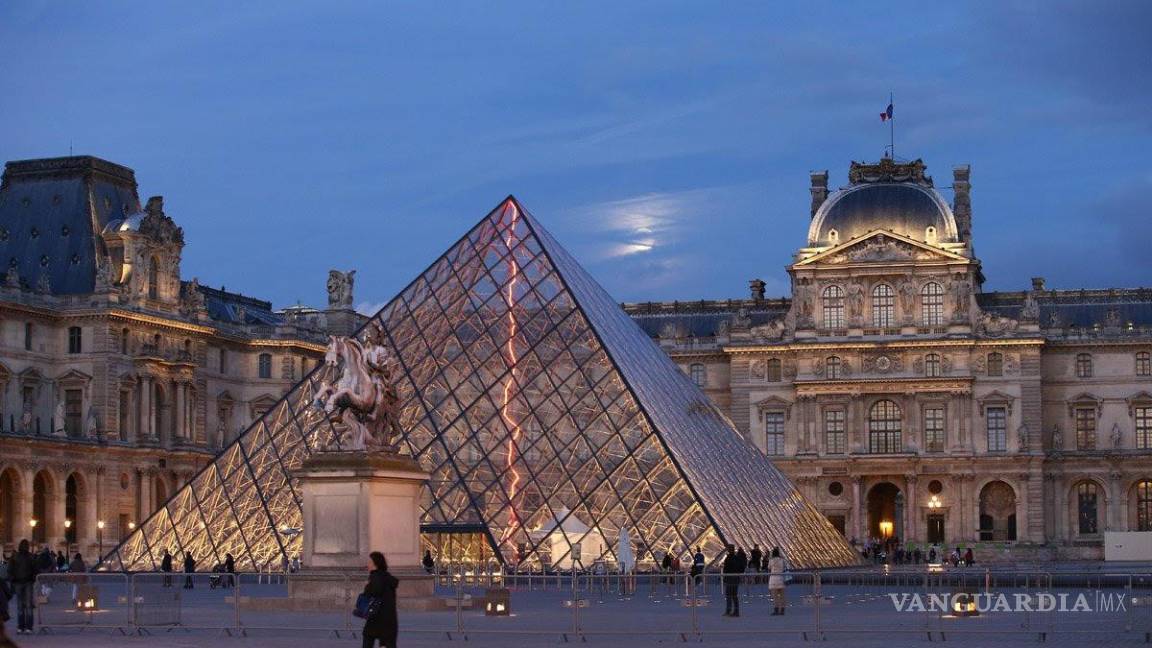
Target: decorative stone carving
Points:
(961, 299)
(994, 324)
(672, 330)
(362, 401)
(1057, 438)
(12, 278)
(855, 302)
(741, 321)
(44, 284)
(772, 330)
(908, 300)
(92, 424)
(789, 369)
(1031, 310)
(1116, 436)
(802, 306)
(880, 248)
(158, 227)
(340, 288)
(26, 419)
(1011, 364)
(883, 364)
(58, 419)
(191, 299)
(103, 276)
(979, 364)
(1022, 437)
(758, 369)
(1112, 318)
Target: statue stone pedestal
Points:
(356, 503)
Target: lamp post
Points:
(100, 538)
(68, 536)
(32, 523)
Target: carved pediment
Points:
(881, 247)
(774, 403)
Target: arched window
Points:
(833, 307)
(153, 278)
(932, 365)
(698, 373)
(1087, 504)
(265, 365)
(774, 373)
(1083, 365)
(1144, 506)
(832, 367)
(884, 427)
(995, 364)
(932, 304)
(1143, 364)
(883, 305)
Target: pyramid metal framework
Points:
(528, 394)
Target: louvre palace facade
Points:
(119, 379)
(906, 401)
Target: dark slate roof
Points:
(234, 308)
(52, 212)
(905, 208)
(702, 319)
(1083, 309)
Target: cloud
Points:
(370, 308)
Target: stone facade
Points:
(903, 400)
(118, 379)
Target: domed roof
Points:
(910, 207)
(130, 223)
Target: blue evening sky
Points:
(666, 144)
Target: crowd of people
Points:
(892, 551)
(735, 565)
(18, 572)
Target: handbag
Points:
(366, 606)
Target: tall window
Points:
(774, 433)
(73, 404)
(28, 336)
(932, 304)
(834, 307)
(995, 364)
(932, 365)
(125, 413)
(1142, 418)
(265, 365)
(1085, 428)
(1087, 496)
(699, 374)
(1083, 365)
(835, 439)
(884, 427)
(934, 429)
(997, 420)
(1144, 506)
(1143, 364)
(153, 279)
(774, 373)
(74, 339)
(883, 306)
(124, 341)
(223, 361)
(832, 368)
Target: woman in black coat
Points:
(382, 626)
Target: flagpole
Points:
(892, 129)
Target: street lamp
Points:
(131, 526)
(934, 502)
(886, 529)
(100, 537)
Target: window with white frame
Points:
(932, 304)
(932, 365)
(1143, 364)
(1083, 365)
(774, 432)
(835, 437)
(1142, 423)
(833, 300)
(934, 428)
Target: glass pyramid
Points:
(536, 403)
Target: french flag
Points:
(887, 114)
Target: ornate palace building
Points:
(119, 380)
(905, 401)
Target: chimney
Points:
(757, 288)
(1037, 283)
(962, 204)
(819, 189)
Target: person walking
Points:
(189, 569)
(230, 569)
(166, 567)
(383, 626)
(776, 581)
(969, 559)
(756, 558)
(22, 572)
(428, 562)
(697, 564)
(732, 570)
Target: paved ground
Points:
(856, 613)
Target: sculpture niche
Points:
(361, 403)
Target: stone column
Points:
(1023, 519)
(856, 522)
(89, 513)
(1116, 501)
(55, 530)
(20, 528)
(962, 506)
(147, 420)
(911, 511)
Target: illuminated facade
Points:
(118, 379)
(905, 401)
(539, 408)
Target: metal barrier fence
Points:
(934, 603)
